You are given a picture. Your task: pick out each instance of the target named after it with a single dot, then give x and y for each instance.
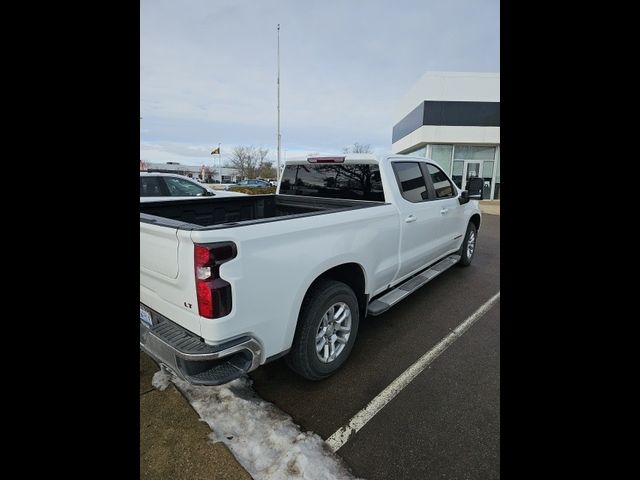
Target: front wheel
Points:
(326, 331)
(468, 248)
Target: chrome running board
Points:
(383, 303)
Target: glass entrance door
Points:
(476, 161)
(471, 170)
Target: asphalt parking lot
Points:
(446, 422)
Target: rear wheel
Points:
(326, 331)
(468, 248)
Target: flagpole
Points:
(220, 163)
(278, 172)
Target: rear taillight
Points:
(214, 294)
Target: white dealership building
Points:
(454, 119)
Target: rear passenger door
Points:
(420, 218)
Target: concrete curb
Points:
(174, 442)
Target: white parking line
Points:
(343, 434)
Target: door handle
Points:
(410, 218)
(444, 211)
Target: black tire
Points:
(302, 357)
(465, 258)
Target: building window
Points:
(441, 183)
(456, 173)
(441, 154)
(420, 152)
(474, 152)
(487, 176)
(411, 181)
(476, 160)
(496, 193)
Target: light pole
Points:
(278, 176)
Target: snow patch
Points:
(263, 438)
(161, 380)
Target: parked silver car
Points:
(169, 186)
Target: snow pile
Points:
(264, 439)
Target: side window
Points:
(411, 181)
(441, 183)
(151, 187)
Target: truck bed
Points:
(215, 213)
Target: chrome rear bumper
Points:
(186, 354)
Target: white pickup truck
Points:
(228, 284)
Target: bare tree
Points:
(267, 170)
(358, 148)
(243, 159)
(209, 173)
(262, 154)
(250, 161)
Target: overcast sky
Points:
(208, 69)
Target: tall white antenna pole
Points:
(278, 172)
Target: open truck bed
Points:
(215, 213)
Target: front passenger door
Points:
(445, 196)
(419, 219)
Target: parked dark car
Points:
(250, 184)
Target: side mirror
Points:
(474, 187)
(464, 197)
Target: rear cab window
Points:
(348, 181)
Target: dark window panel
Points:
(355, 182)
(455, 114)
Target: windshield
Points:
(183, 188)
(354, 182)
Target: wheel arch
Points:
(475, 219)
(351, 274)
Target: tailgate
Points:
(159, 249)
(165, 286)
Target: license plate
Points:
(145, 317)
